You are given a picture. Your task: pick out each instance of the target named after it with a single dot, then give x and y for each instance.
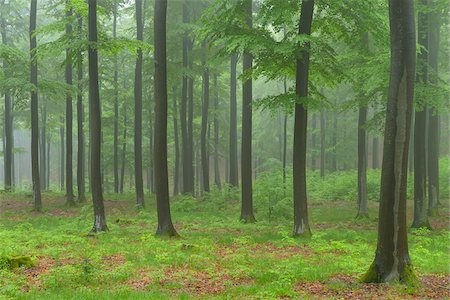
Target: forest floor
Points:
(217, 256)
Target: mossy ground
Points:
(216, 257)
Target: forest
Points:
(224, 149)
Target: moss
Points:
(408, 277)
(16, 262)
(371, 275)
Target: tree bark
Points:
(362, 164)
(313, 142)
(80, 123)
(69, 116)
(301, 222)
(216, 134)
(392, 261)
(8, 130)
(62, 154)
(116, 108)
(246, 150)
(203, 141)
(233, 160)
(165, 226)
(322, 143)
(138, 112)
(284, 135)
(375, 153)
(95, 124)
(34, 111)
(176, 172)
(335, 123)
(420, 127)
(433, 118)
(43, 145)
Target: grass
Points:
(217, 256)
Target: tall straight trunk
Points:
(124, 149)
(190, 127)
(34, 111)
(69, 116)
(150, 179)
(47, 180)
(411, 145)
(116, 109)
(177, 148)
(322, 143)
(43, 145)
(216, 134)
(392, 261)
(362, 163)
(138, 112)
(233, 160)
(334, 138)
(420, 128)
(8, 130)
(301, 222)
(80, 122)
(375, 153)
(433, 118)
(246, 150)
(313, 142)
(284, 135)
(188, 180)
(165, 226)
(95, 125)
(203, 141)
(62, 154)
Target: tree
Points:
(392, 261)
(203, 142)
(8, 130)
(165, 226)
(362, 163)
(233, 169)
(95, 124)
(246, 145)
(116, 108)
(69, 114)
(322, 143)
(216, 134)
(138, 111)
(420, 128)
(176, 173)
(301, 223)
(80, 122)
(34, 111)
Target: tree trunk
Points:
(203, 146)
(433, 118)
(8, 130)
(313, 142)
(150, 179)
(47, 180)
(216, 134)
(165, 226)
(43, 145)
(116, 109)
(301, 223)
(62, 154)
(392, 260)
(177, 148)
(246, 150)
(284, 136)
(335, 121)
(362, 164)
(69, 116)
(322, 143)
(124, 149)
(95, 124)
(233, 169)
(80, 122)
(138, 112)
(34, 111)
(375, 153)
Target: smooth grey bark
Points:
(284, 135)
(176, 170)
(313, 142)
(334, 138)
(392, 261)
(362, 163)
(301, 220)
(69, 115)
(116, 109)
(80, 123)
(322, 143)
(43, 146)
(433, 117)
(62, 151)
(204, 127)
(375, 153)
(165, 226)
(95, 125)
(246, 145)
(216, 134)
(138, 112)
(233, 159)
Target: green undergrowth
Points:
(216, 257)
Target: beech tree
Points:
(392, 261)
(69, 114)
(165, 227)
